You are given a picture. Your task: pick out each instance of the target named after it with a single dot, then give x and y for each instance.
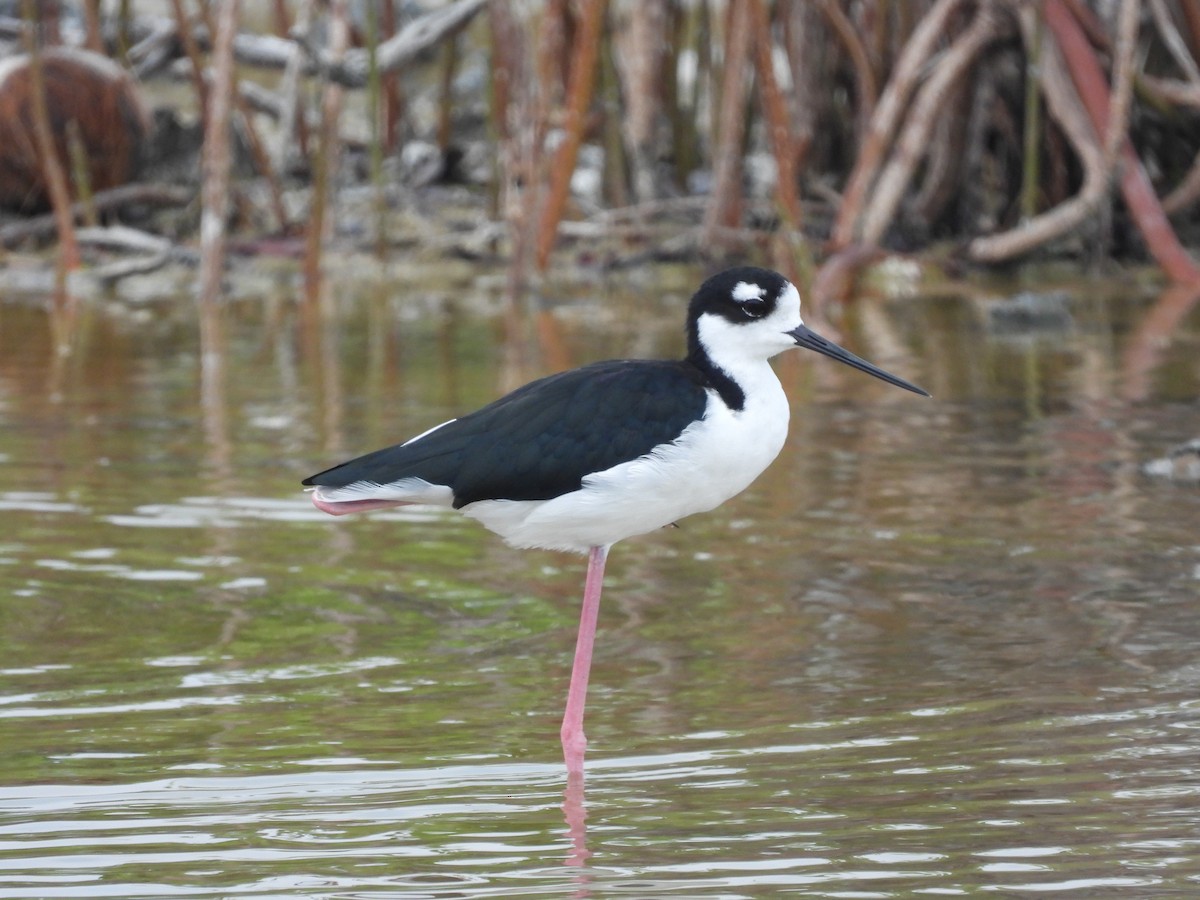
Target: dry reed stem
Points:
(43, 136)
(860, 60)
(375, 152)
(724, 208)
(258, 151)
(80, 173)
(192, 51)
(216, 162)
(393, 94)
(292, 134)
(325, 164)
(517, 122)
(584, 54)
(643, 45)
(216, 165)
(500, 84)
(779, 130)
(91, 16)
(801, 38)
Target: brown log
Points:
(86, 87)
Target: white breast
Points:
(713, 459)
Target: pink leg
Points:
(573, 742)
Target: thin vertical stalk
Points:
(192, 51)
(864, 73)
(1031, 175)
(124, 30)
(283, 20)
(325, 164)
(393, 94)
(724, 208)
(216, 167)
(449, 68)
(91, 16)
(799, 263)
(81, 175)
(50, 11)
(616, 162)
(258, 150)
(778, 130)
(375, 115)
(293, 126)
(502, 70)
(216, 162)
(43, 136)
(584, 54)
(672, 109)
(643, 46)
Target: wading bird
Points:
(580, 460)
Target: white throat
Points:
(741, 349)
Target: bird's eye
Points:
(754, 309)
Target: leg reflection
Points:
(575, 813)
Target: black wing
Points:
(540, 441)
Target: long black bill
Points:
(806, 337)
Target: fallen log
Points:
(127, 195)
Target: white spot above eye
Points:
(744, 290)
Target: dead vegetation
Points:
(807, 133)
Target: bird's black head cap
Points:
(739, 295)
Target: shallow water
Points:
(939, 647)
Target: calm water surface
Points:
(939, 647)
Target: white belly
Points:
(713, 460)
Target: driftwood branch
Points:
(887, 116)
(1138, 192)
(103, 202)
(155, 251)
(350, 70)
(156, 37)
(931, 101)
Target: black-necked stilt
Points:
(580, 460)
